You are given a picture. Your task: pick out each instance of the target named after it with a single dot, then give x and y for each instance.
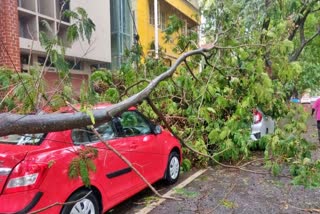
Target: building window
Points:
(121, 30)
(27, 4)
(162, 22)
(74, 65)
(95, 67)
(41, 61)
(24, 59)
(184, 29)
(45, 7)
(151, 13)
(27, 26)
(61, 6)
(161, 16)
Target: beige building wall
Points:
(100, 48)
(31, 12)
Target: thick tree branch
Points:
(295, 55)
(304, 10)
(133, 85)
(315, 10)
(21, 124)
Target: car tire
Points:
(88, 205)
(173, 168)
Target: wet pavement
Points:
(222, 190)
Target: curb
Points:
(153, 205)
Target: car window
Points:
(80, 136)
(134, 124)
(26, 139)
(85, 136)
(105, 130)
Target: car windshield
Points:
(26, 139)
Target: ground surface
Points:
(224, 190)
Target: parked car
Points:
(34, 167)
(314, 98)
(305, 98)
(262, 125)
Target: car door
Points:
(112, 173)
(143, 145)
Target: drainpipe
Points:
(156, 45)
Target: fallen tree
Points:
(215, 110)
(21, 124)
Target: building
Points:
(22, 20)
(130, 18)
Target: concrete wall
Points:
(77, 80)
(99, 49)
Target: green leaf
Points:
(214, 135)
(224, 133)
(72, 33)
(46, 25)
(70, 14)
(91, 165)
(275, 169)
(211, 110)
(84, 173)
(91, 115)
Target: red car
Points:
(34, 168)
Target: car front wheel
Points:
(82, 205)
(173, 168)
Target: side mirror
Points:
(157, 129)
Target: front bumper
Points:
(20, 202)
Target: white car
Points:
(314, 98)
(305, 98)
(261, 126)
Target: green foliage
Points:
(20, 86)
(111, 95)
(251, 67)
(5, 78)
(309, 78)
(306, 172)
(81, 165)
(29, 90)
(287, 146)
(186, 165)
(214, 112)
(173, 32)
(82, 27)
(198, 160)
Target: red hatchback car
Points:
(34, 168)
